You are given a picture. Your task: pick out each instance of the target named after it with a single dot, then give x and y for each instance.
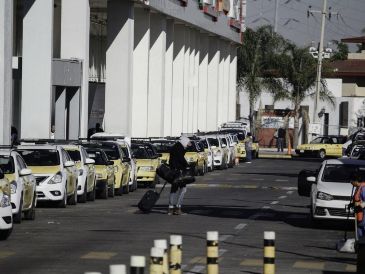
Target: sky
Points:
(347, 20)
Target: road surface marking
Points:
(254, 217)
(197, 260)
(5, 254)
(281, 180)
(99, 255)
(252, 262)
(221, 252)
(265, 207)
(223, 238)
(196, 269)
(290, 192)
(289, 188)
(309, 265)
(257, 179)
(282, 197)
(351, 268)
(240, 226)
(274, 202)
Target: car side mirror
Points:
(126, 160)
(110, 163)
(89, 161)
(69, 164)
(25, 172)
(223, 145)
(311, 179)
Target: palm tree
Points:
(255, 59)
(298, 71)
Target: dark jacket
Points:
(177, 160)
(281, 133)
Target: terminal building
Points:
(139, 68)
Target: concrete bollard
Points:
(117, 269)
(212, 252)
(269, 252)
(156, 261)
(138, 264)
(163, 245)
(175, 254)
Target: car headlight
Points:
(13, 187)
(146, 168)
(324, 196)
(5, 201)
(56, 179)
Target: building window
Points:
(360, 122)
(344, 114)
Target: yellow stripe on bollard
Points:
(117, 269)
(212, 252)
(163, 245)
(156, 261)
(269, 252)
(138, 264)
(175, 254)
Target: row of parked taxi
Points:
(62, 172)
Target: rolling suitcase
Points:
(149, 199)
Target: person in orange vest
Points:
(359, 205)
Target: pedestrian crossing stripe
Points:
(99, 255)
(5, 254)
(252, 262)
(315, 265)
(351, 268)
(198, 260)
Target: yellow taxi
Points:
(147, 162)
(104, 170)
(322, 147)
(6, 220)
(163, 147)
(196, 157)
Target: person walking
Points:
(248, 147)
(179, 164)
(280, 139)
(359, 204)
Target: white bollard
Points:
(138, 264)
(269, 252)
(163, 245)
(212, 252)
(117, 269)
(175, 254)
(156, 260)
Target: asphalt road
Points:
(241, 203)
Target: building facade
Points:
(140, 68)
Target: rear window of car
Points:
(7, 164)
(338, 173)
(140, 152)
(162, 147)
(40, 157)
(213, 142)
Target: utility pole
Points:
(276, 16)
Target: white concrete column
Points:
(156, 88)
(6, 53)
(185, 117)
(37, 69)
(73, 113)
(140, 72)
(213, 82)
(196, 81)
(226, 75)
(203, 82)
(169, 57)
(75, 41)
(221, 99)
(232, 83)
(119, 66)
(178, 80)
(190, 99)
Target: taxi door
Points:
(29, 184)
(71, 175)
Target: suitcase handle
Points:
(163, 187)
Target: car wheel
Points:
(5, 233)
(82, 198)
(17, 218)
(63, 202)
(111, 191)
(104, 192)
(322, 154)
(125, 189)
(30, 214)
(72, 200)
(92, 194)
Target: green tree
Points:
(256, 58)
(341, 52)
(298, 70)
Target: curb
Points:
(274, 156)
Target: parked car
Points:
(163, 147)
(220, 155)
(22, 185)
(196, 157)
(322, 147)
(86, 177)
(208, 150)
(329, 188)
(55, 172)
(104, 170)
(6, 218)
(228, 144)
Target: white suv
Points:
(55, 173)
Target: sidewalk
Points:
(267, 153)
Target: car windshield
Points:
(204, 143)
(75, 155)
(140, 152)
(318, 140)
(191, 148)
(40, 157)
(224, 141)
(125, 151)
(97, 156)
(162, 147)
(7, 164)
(338, 173)
(213, 142)
(112, 152)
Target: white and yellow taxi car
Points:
(104, 169)
(87, 178)
(163, 147)
(6, 215)
(54, 171)
(147, 162)
(220, 155)
(22, 184)
(196, 157)
(322, 147)
(208, 151)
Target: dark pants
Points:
(280, 144)
(248, 155)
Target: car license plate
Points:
(301, 151)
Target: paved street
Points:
(241, 203)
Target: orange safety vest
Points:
(357, 201)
